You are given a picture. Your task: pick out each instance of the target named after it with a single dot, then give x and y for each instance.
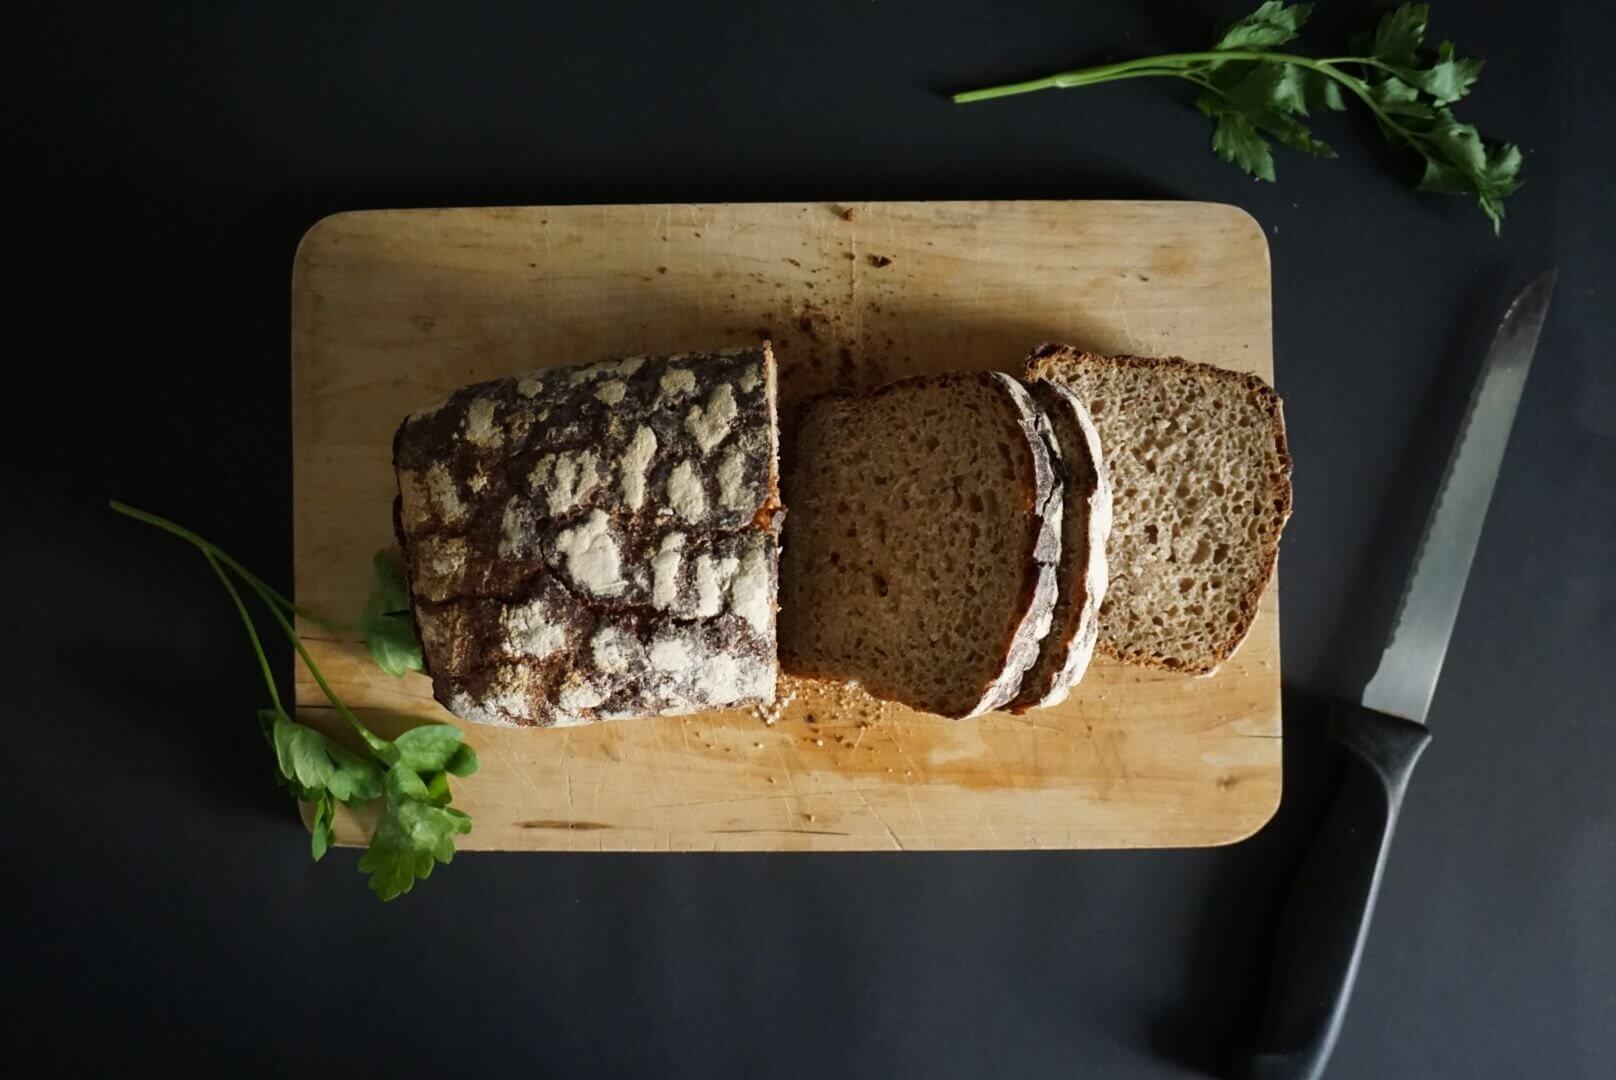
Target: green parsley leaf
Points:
(1271, 86)
(411, 836)
(463, 762)
(1459, 162)
(1458, 146)
(320, 827)
(437, 788)
(1271, 24)
(317, 765)
(386, 623)
(1270, 97)
(1320, 91)
(406, 783)
(1395, 97)
(1290, 132)
(1448, 80)
(389, 591)
(428, 748)
(1257, 104)
(1400, 34)
(393, 645)
(1235, 140)
(355, 779)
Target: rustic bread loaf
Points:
(1202, 489)
(920, 554)
(1081, 576)
(596, 542)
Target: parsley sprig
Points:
(1254, 94)
(416, 826)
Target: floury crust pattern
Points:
(597, 542)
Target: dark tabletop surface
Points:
(164, 912)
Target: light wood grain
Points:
(391, 309)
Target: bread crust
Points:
(596, 542)
(1065, 653)
(1041, 581)
(1043, 363)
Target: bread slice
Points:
(919, 557)
(1085, 524)
(1202, 482)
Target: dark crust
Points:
(1269, 403)
(988, 696)
(1063, 658)
(1040, 581)
(425, 439)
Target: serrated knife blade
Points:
(1405, 681)
(1321, 932)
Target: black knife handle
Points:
(1321, 932)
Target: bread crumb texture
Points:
(1201, 479)
(597, 542)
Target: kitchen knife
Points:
(1321, 934)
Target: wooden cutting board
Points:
(391, 309)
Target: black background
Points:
(165, 160)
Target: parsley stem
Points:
(278, 606)
(1133, 70)
(1192, 66)
(252, 631)
(1366, 61)
(268, 594)
(1170, 64)
(377, 744)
